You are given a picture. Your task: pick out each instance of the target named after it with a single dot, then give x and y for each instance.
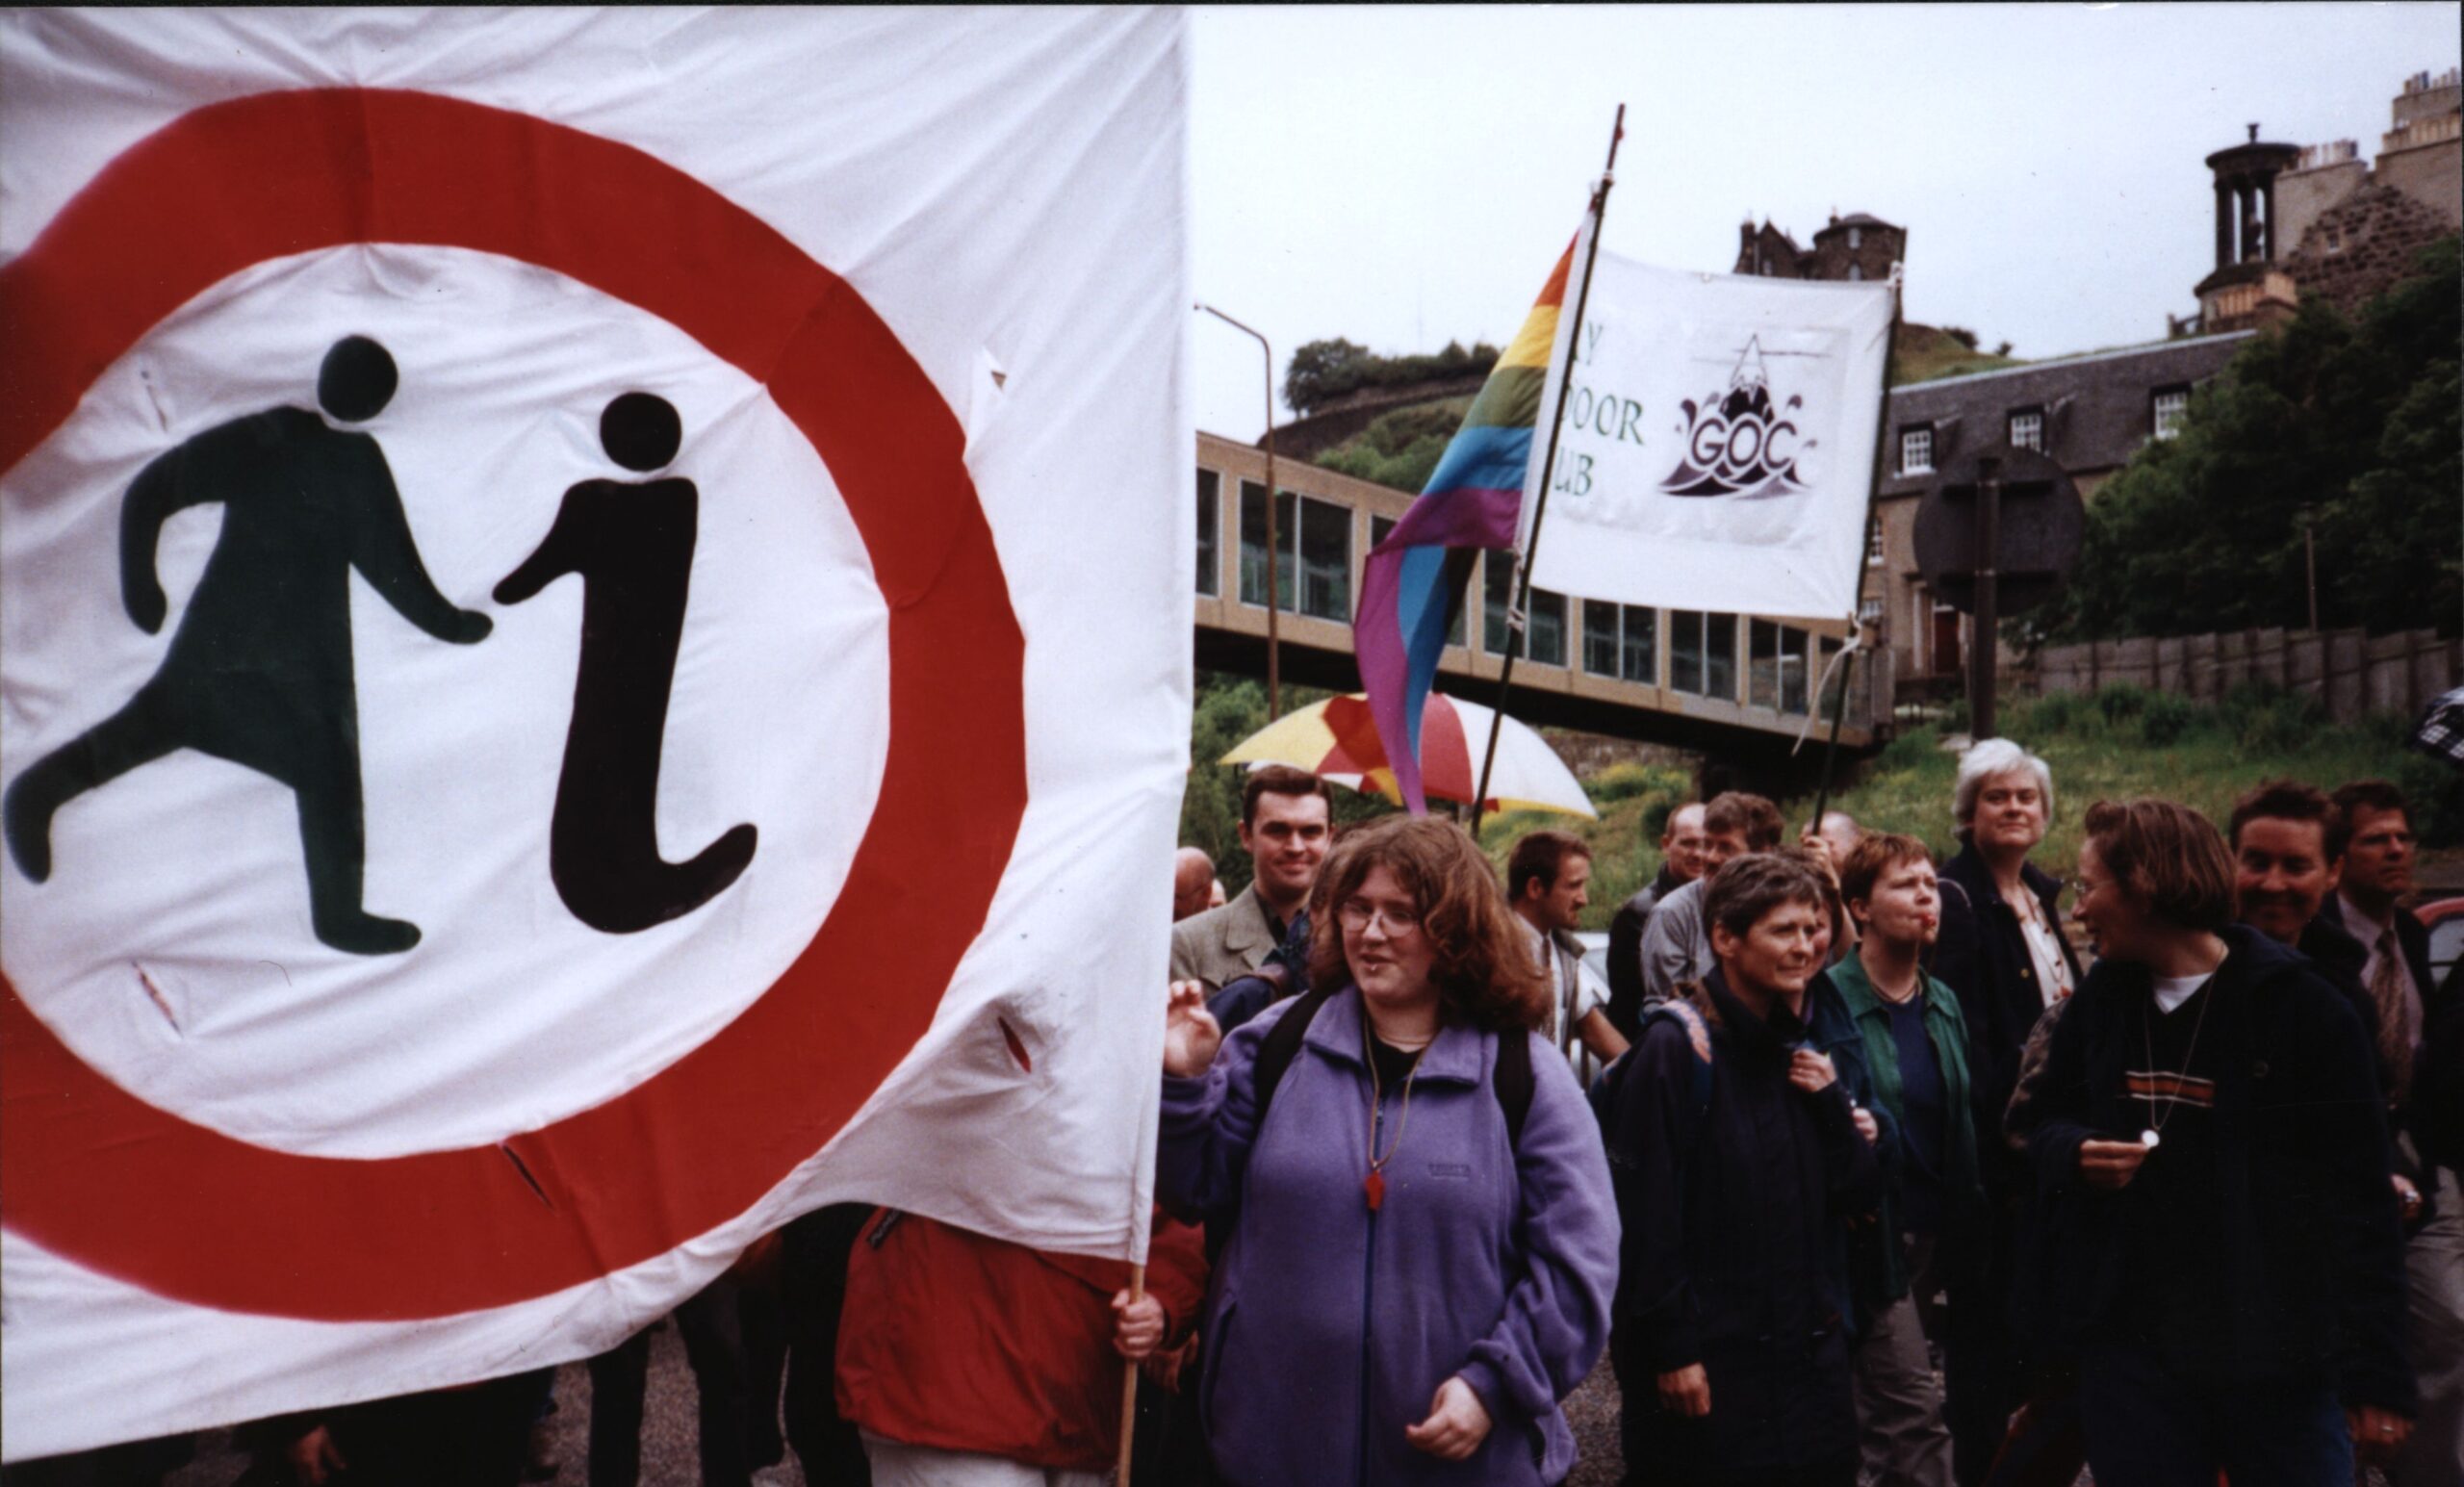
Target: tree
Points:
(2346, 428)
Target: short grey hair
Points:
(1987, 759)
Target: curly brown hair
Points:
(1483, 967)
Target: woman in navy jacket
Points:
(2209, 1110)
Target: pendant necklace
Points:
(1374, 1185)
(2156, 1123)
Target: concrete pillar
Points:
(2223, 223)
(2272, 247)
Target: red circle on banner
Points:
(134, 1191)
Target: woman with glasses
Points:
(1421, 1240)
(2003, 955)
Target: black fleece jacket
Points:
(2307, 1241)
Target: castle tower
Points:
(2245, 290)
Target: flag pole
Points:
(1547, 473)
(1873, 515)
(1129, 1383)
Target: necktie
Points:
(2395, 1014)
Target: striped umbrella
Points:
(1338, 739)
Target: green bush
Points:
(2166, 718)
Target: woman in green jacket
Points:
(1916, 1045)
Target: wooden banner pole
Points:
(1873, 516)
(1515, 617)
(1129, 1385)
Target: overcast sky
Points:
(1404, 176)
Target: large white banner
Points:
(1717, 442)
(594, 653)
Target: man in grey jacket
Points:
(1285, 827)
(1677, 945)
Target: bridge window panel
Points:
(1544, 643)
(1685, 651)
(1210, 564)
(1545, 639)
(1599, 638)
(1762, 666)
(1719, 656)
(1253, 547)
(1640, 658)
(1325, 561)
(1836, 686)
(1793, 680)
(1497, 594)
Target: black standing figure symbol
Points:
(260, 670)
(632, 545)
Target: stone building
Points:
(2291, 219)
(2089, 414)
(1854, 248)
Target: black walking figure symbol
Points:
(632, 545)
(260, 670)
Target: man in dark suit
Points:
(1680, 847)
(2378, 851)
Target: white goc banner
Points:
(1718, 442)
(594, 654)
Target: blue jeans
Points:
(2146, 1427)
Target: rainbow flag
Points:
(1412, 581)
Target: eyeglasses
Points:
(1356, 914)
(2079, 887)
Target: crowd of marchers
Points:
(1856, 1169)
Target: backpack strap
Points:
(1276, 1049)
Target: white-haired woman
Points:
(2002, 953)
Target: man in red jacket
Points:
(968, 1361)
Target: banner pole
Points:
(1873, 515)
(1547, 473)
(1129, 1383)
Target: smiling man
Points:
(1285, 827)
(1736, 1158)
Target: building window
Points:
(1855, 239)
(1874, 545)
(1313, 553)
(1834, 688)
(1856, 273)
(2169, 406)
(1916, 450)
(2027, 429)
(1544, 640)
(1620, 641)
(1209, 563)
(1869, 610)
(1701, 653)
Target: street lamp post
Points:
(1274, 660)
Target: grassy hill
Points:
(2122, 742)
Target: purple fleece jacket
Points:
(1329, 1329)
